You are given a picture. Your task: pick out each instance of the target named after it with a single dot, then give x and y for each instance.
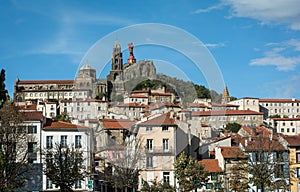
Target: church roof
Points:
(86, 66)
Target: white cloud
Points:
(284, 88)
(278, 57)
(266, 11)
(214, 45)
(215, 7)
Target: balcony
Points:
(160, 151)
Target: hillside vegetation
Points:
(188, 91)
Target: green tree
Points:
(64, 166)
(190, 173)
(233, 127)
(13, 148)
(275, 116)
(157, 186)
(63, 117)
(3, 91)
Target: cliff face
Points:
(140, 69)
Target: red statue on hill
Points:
(131, 58)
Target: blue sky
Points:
(254, 43)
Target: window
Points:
(166, 177)
(297, 173)
(298, 155)
(149, 161)
(165, 128)
(282, 130)
(150, 144)
(78, 184)
(32, 129)
(63, 140)
(148, 128)
(32, 150)
(213, 176)
(283, 124)
(77, 141)
(99, 108)
(48, 183)
(49, 140)
(32, 147)
(166, 144)
(288, 130)
(208, 185)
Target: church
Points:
(86, 83)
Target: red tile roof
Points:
(62, 125)
(136, 105)
(223, 105)
(262, 143)
(138, 96)
(287, 119)
(46, 81)
(279, 101)
(293, 141)
(200, 105)
(160, 105)
(28, 107)
(161, 94)
(34, 115)
(116, 123)
(225, 112)
(211, 165)
(163, 119)
(140, 91)
(232, 152)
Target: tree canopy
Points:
(233, 127)
(190, 173)
(64, 166)
(13, 152)
(3, 91)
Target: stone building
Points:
(86, 85)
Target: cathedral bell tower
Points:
(117, 60)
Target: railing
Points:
(160, 150)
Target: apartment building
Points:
(159, 136)
(247, 103)
(219, 119)
(68, 134)
(82, 109)
(286, 126)
(293, 144)
(283, 107)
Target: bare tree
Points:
(125, 164)
(13, 148)
(268, 160)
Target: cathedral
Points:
(86, 84)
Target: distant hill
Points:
(188, 91)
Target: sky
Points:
(251, 46)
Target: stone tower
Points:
(225, 96)
(115, 77)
